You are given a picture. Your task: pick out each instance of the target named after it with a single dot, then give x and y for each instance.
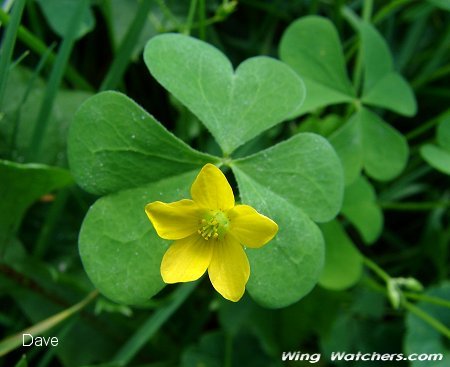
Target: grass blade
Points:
(9, 41)
(56, 75)
(12, 342)
(151, 326)
(125, 50)
(39, 47)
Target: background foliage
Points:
(376, 80)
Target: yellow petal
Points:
(176, 220)
(251, 228)
(211, 189)
(229, 269)
(186, 260)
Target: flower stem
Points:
(430, 320)
(424, 298)
(202, 19)
(190, 17)
(376, 269)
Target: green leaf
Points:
(21, 185)
(366, 141)
(208, 352)
(376, 55)
(343, 262)
(235, 106)
(392, 92)
(443, 4)
(439, 156)
(289, 182)
(436, 157)
(421, 337)
(8, 43)
(383, 87)
(347, 143)
(234, 316)
(288, 267)
(303, 170)
(119, 248)
(213, 348)
(361, 326)
(361, 209)
(314, 314)
(59, 12)
(114, 144)
(443, 133)
(319, 60)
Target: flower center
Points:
(214, 224)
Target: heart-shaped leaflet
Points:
(235, 106)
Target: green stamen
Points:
(213, 225)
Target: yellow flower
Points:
(209, 232)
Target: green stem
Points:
(351, 17)
(210, 21)
(353, 20)
(427, 126)
(40, 127)
(376, 269)
(409, 45)
(17, 61)
(153, 324)
(17, 120)
(61, 335)
(367, 10)
(414, 173)
(201, 19)
(190, 17)
(424, 298)
(168, 13)
(36, 45)
(437, 74)
(216, 18)
(9, 41)
(414, 206)
(415, 296)
(34, 20)
(390, 7)
(430, 320)
(122, 58)
(439, 53)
